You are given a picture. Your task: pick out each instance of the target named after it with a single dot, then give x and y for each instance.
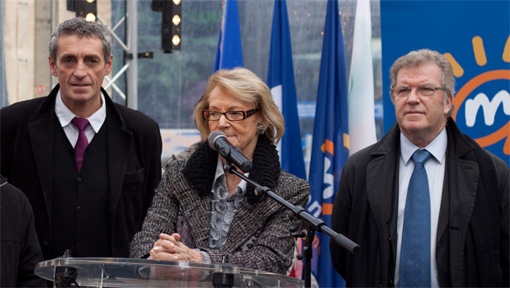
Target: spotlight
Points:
(90, 17)
(86, 9)
(176, 40)
(176, 20)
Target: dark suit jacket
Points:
(19, 247)
(472, 239)
(134, 164)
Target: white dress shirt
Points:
(65, 116)
(435, 168)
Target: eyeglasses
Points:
(230, 115)
(404, 91)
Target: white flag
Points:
(361, 82)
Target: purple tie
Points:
(81, 144)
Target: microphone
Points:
(218, 142)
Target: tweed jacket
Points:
(472, 245)
(259, 236)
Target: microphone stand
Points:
(313, 224)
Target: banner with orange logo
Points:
(475, 37)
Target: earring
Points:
(260, 128)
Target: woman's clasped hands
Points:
(169, 248)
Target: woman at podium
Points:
(201, 212)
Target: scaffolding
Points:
(130, 96)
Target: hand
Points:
(169, 248)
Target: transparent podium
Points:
(128, 272)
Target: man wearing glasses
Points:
(427, 205)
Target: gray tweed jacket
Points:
(259, 236)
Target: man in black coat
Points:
(90, 202)
(19, 247)
(468, 210)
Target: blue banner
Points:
(475, 37)
(330, 142)
(281, 81)
(229, 53)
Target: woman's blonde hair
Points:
(244, 85)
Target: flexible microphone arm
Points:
(313, 223)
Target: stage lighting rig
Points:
(171, 24)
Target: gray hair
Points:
(81, 28)
(421, 57)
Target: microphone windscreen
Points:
(213, 136)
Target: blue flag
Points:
(330, 147)
(281, 81)
(229, 53)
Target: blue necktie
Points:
(415, 250)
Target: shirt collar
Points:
(65, 115)
(220, 171)
(437, 147)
